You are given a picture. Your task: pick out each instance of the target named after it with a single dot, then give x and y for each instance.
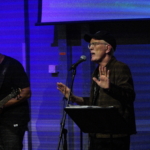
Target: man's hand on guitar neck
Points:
(24, 94)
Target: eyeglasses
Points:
(96, 43)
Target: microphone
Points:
(82, 58)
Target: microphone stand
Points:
(63, 130)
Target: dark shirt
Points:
(121, 93)
(14, 77)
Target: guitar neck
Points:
(5, 100)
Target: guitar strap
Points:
(3, 69)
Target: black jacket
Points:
(121, 93)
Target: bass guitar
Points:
(13, 94)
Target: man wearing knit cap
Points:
(112, 85)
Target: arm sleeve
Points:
(86, 100)
(19, 76)
(123, 89)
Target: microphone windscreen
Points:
(83, 57)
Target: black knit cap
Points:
(101, 35)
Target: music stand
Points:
(95, 119)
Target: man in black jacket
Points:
(112, 85)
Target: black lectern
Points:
(95, 119)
